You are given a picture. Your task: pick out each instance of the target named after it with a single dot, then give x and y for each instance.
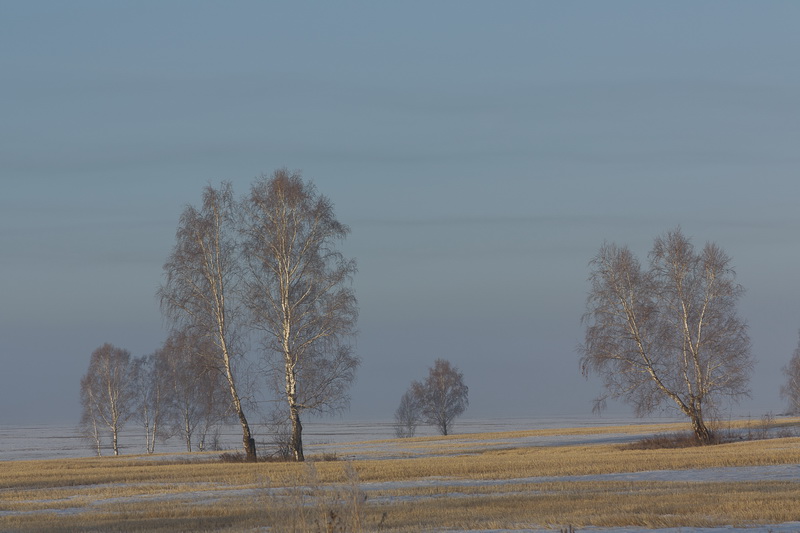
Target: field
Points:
(522, 480)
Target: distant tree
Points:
(668, 333)
(215, 412)
(790, 391)
(196, 386)
(90, 424)
(439, 399)
(200, 292)
(215, 407)
(407, 416)
(150, 396)
(182, 375)
(300, 296)
(107, 394)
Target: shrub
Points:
(673, 440)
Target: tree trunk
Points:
(701, 431)
(147, 435)
(188, 433)
(294, 411)
(152, 446)
(96, 435)
(247, 440)
(297, 435)
(115, 445)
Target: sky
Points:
(481, 153)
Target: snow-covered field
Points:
(355, 440)
(62, 441)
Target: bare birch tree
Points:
(90, 417)
(441, 397)
(214, 411)
(407, 416)
(200, 290)
(107, 395)
(668, 334)
(299, 294)
(196, 390)
(790, 391)
(150, 396)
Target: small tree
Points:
(215, 408)
(150, 396)
(668, 333)
(437, 400)
(107, 394)
(407, 416)
(90, 417)
(215, 411)
(790, 391)
(196, 386)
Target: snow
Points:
(63, 441)
(362, 440)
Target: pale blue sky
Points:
(480, 151)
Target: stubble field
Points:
(521, 480)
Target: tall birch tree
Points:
(668, 334)
(200, 291)
(299, 293)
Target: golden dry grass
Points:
(137, 494)
(644, 504)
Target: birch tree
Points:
(790, 390)
(200, 291)
(196, 390)
(150, 396)
(441, 397)
(668, 334)
(90, 424)
(107, 394)
(407, 416)
(300, 296)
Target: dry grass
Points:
(581, 460)
(134, 494)
(608, 505)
